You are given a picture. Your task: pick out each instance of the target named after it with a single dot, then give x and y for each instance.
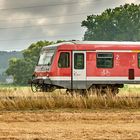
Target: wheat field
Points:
(25, 99)
(58, 116)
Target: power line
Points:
(48, 5)
(31, 26)
(56, 16)
(66, 35)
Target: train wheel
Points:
(115, 91)
(70, 92)
(107, 91)
(76, 92)
(35, 87)
(93, 90)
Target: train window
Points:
(46, 57)
(139, 60)
(104, 60)
(64, 60)
(79, 61)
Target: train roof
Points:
(107, 42)
(95, 45)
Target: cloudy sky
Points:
(23, 22)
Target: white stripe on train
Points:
(68, 78)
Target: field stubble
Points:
(57, 116)
(70, 125)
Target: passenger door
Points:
(79, 70)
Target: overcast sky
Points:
(23, 22)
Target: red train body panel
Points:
(82, 64)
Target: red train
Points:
(84, 65)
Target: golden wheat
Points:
(24, 99)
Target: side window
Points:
(64, 60)
(104, 60)
(139, 60)
(79, 61)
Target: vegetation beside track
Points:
(17, 98)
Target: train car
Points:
(85, 65)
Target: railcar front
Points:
(40, 79)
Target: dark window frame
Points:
(138, 60)
(105, 57)
(68, 60)
(83, 65)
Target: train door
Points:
(79, 70)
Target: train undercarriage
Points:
(98, 89)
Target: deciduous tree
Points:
(22, 69)
(118, 24)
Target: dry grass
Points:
(76, 125)
(24, 99)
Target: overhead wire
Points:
(47, 5)
(30, 26)
(56, 16)
(33, 38)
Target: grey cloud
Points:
(49, 32)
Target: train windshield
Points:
(46, 57)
